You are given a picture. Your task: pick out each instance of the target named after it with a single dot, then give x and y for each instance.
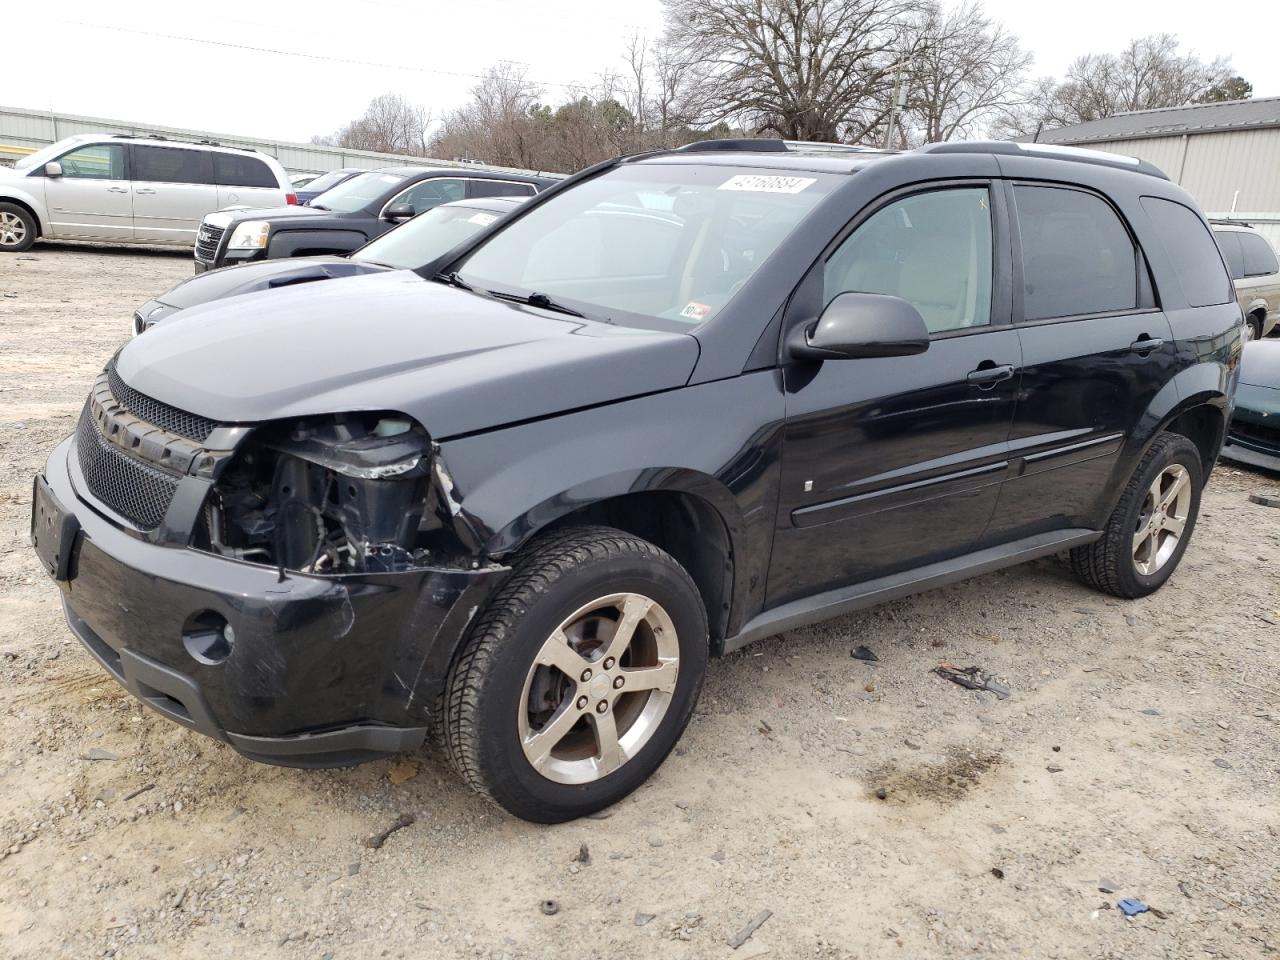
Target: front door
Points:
(896, 462)
(1096, 350)
(92, 200)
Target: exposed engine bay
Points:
(341, 494)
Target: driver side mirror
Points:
(861, 325)
(399, 212)
(53, 169)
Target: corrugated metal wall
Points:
(35, 129)
(1212, 167)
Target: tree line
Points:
(876, 72)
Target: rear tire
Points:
(548, 710)
(1149, 530)
(1254, 323)
(17, 228)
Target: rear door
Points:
(93, 199)
(892, 463)
(245, 181)
(173, 189)
(1096, 351)
(1261, 279)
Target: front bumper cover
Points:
(323, 671)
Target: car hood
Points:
(1260, 363)
(455, 361)
(261, 275)
(290, 212)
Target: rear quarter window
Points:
(230, 170)
(1195, 257)
(1259, 258)
(1229, 244)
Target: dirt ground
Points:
(1138, 752)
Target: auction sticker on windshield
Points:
(756, 183)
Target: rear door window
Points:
(1195, 257)
(431, 193)
(498, 188)
(170, 165)
(1229, 243)
(1259, 258)
(231, 170)
(1077, 257)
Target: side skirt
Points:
(834, 603)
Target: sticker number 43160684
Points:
(757, 183)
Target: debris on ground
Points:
(972, 678)
(643, 918)
(864, 653)
(1131, 907)
(754, 924)
(376, 841)
(1265, 499)
(402, 772)
(881, 793)
(997, 873)
(97, 753)
(140, 791)
(1107, 886)
(683, 929)
(550, 907)
(583, 856)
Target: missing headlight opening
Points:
(346, 494)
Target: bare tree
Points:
(803, 69)
(968, 72)
(390, 124)
(1150, 72)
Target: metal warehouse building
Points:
(1226, 155)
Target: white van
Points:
(125, 189)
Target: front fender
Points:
(290, 243)
(718, 442)
(13, 192)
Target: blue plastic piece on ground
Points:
(1131, 907)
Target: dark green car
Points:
(1254, 434)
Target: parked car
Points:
(130, 190)
(407, 247)
(326, 181)
(1255, 273)
(300, 180)
(350, 215)
(1254, 434)
(684, 401)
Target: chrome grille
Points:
(207, 240)
(137, 491)
(159, 414)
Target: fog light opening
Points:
(208, 637)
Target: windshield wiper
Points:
(538, 300)
(453, 280)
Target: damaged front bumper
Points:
(306, 670)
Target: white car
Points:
(124, 189)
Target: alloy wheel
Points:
(599, 688)
(1162, 519)
(13, 230)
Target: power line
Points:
(303, 56)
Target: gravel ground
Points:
(1137, 753)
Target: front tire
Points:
(1253, 324)
(1149, 530)
(17, 228)
(579, 676)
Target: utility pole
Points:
(897, 103)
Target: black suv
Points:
(521, 495)
(349, 215)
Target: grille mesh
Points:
(159, 414)
(136, 491)
(207, 241)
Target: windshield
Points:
(649, 245)
(358, 192)
(426, 236)
(41, 157)
(327, 180)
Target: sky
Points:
(317, 63)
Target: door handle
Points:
(144, 190)
(1145, 344)
(986, 377)
(117, 189)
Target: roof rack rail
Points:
(204, 141)
(743, 144)
(819, 146)
(1054, 151)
